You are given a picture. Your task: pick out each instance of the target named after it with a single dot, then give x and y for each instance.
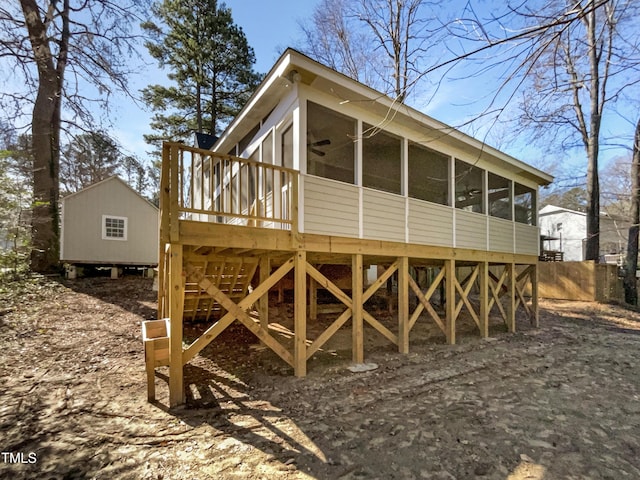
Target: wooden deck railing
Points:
(204, 186)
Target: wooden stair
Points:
(232, 275)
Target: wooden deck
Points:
(237, 226)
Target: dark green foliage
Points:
(210, 69)
(15, 206)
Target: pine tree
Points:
(210, 66)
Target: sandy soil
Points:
(559, 402)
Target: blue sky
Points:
(269, 25)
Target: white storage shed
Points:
(109, 223)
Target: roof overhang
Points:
(295, 66)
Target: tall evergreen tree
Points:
(211, 68)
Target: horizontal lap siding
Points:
(527, 239)
(383, 216)
(330, 208)
(500, 235)
(430, 224)
(471, 230)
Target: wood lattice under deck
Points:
(219, 269)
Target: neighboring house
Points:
(568, 228)
(109, 223)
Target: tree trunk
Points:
(45, 221)
(630, 285)
(199, 106)
(593, 143)
(593, 207)
(45, 127)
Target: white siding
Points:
(82, 220)
(572, 235)
(527, 239)
(330, 207)
(500, 235)
(471, 230)
(383, 216)
(430, 224)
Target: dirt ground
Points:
(559, 402)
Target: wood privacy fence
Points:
(586, 281)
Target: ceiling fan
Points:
(321, 143)
(468, 192)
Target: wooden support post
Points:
(534, 295)
(174, 191)
(176, 306)
(300, 314)
(511, 306)
(263, 303)
(357, 307)
(295, 210)
(403, 305)
(164, 231)
(450, 299)
(484, 299)
(313, 299)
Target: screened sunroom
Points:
(320, 171)
(368, 169)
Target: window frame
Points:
(124, 228)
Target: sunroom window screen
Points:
(381, 160)
(428, 174)
(499, 196)
(330, 144)
(524, 202)
(469, 184)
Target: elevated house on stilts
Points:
(318, 169)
